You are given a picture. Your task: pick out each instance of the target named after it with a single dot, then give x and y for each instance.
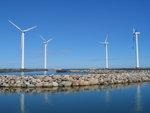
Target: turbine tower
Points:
(105, 43)
(136, 36)
(22, 41)
(45, 42)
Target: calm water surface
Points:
(119, 99)
(33, 73)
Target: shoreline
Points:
(103, 77)
(68, 89)
(5, 70)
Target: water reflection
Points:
(22, 99)
(22, 103)
(98, 99)
(138, 99)
(45, 95)
(45, 73)
(66, 89)
(22, 73)
(46, 98)
(107, 97)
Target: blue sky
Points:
(76, 27)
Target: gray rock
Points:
(29, 85)
(47, 84)
(54, 84)
(65, 83)
(93, 81)
(83, 83)
(40, 84)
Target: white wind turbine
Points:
(105, 43)
(136, 36)
(45, 42)
(22, 41)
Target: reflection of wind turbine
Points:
(105, 43)
(46, 98)
(107, 96)
(45, 73)
(22, 73)
(138, 99)
(22, 106)
(136, 36)
(45, 50)
(22, 98)
(22, 41)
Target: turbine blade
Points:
(49, 40)
(42, 38)
(30, 29)
(102, 42)
(134, 30)
(14, 25)
(106, 38)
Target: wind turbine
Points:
(45, 42)
(22, 41)
(136, 36)
(105, 43)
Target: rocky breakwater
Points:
(105, 78)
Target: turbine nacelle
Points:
(106, 41)
(135, 32)
(45, 41)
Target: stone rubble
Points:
(103, 78)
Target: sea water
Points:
(133, 98)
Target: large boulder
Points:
(28, 84)
(47, 79)
(65, 83)
(75, 83)
(93, 81)
(47, 84)
(39, 84)
(54, 84)
(83, 83)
